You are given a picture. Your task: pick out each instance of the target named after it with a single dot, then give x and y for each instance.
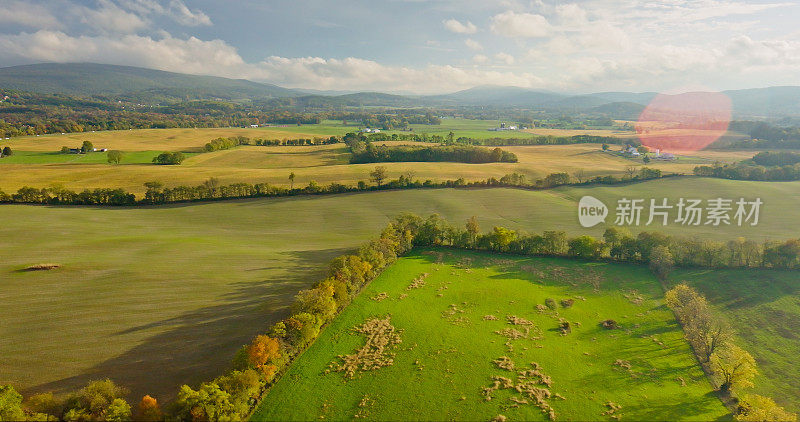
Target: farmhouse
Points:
(503, 127)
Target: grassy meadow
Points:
(158, 296)
(459, 322)
(764, 308)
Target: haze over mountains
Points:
(150, 86)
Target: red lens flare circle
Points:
(684, 122)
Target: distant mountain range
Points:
(149, 86)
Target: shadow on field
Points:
(199, 345)
(673, 411)
(742, 288)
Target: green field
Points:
(764, 308)
(448, 346)
(43, 157)
(158, 296)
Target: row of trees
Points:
(212, 189)
(225, 143)
(731, 368)
(298, 141)
(169, 158)
(747, 171)
(367, 152)
(101, 400)
(781, 158)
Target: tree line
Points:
(731, 368)
(212, 189)
(763, 167)
(369, 153)
(765, 135)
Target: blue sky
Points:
(424, 46)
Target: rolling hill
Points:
(134, 83)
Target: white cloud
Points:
(111, 18)
(473, 45)
(216, 57)
(480, 59)
(571, 14)
(190, 55)
(27, 14)
(173, 9)
(505, 58)
(453, 25)
(520, 25)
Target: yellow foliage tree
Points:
(733, 367)
(759, 408)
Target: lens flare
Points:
(684, 122)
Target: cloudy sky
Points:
(423, 46)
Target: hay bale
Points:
(381, 338)
(418, 282)
(622, 364)
(42, 267)
(504, 362)
(609, 324)
(515, 320)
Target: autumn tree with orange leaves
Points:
(262, 352)
(149, 410)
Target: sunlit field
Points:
(37, 163)
(475, 317)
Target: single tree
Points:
(646, 159)
(733, 367)
(717, 333)
(114, 157)
(87, 147)
(291, 180)
(378, 175)
(149, 410)
(580, 175)
(473, 229)
(118, 411)
(262, 352)
(661, 262)
(605, 147)
(212, 184)
(6, 152)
